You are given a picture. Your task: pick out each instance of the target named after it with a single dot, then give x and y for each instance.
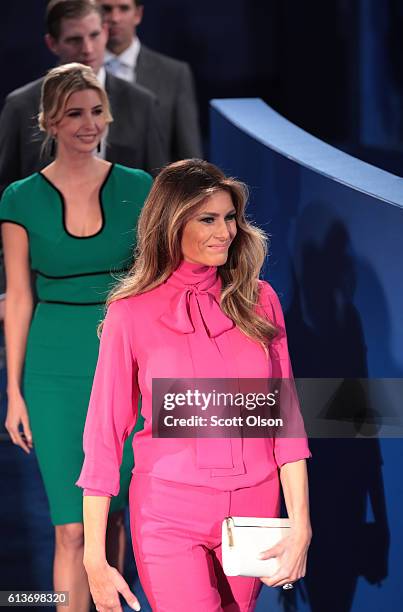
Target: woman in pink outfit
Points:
(191, 307)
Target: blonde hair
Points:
(178, 193)
(58, 85)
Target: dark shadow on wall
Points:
(327, 340)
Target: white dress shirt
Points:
(124, 65)
(101, 76)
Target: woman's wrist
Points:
(300, 520)
(94, 561)
(302, 531)
(13, 390)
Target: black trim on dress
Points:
(72, 303)
(51, 277)
(15, 223)
(63, 203)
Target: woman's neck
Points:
(188, 273)
(76, 166)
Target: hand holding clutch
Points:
(291, 555)
(284, 560)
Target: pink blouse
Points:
(178, 330)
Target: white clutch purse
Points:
(243, 538)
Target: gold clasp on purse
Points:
(229, 532)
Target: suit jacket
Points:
(133, 140)
(172, 82)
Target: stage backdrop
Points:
(336, 253)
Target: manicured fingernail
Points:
(260, 556)
(136, 606)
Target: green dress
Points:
(73, 276)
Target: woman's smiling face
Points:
(207, 237)
(83, 122)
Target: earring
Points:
(99, 147)
(53, 147)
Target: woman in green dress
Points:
(72, 224)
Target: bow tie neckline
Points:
(198, 286)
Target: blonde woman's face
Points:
(208, 235)
(83, 122)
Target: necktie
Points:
(113, 65)
(119, 69)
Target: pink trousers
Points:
(176, 533)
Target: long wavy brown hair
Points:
(178, 193)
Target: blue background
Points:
(335, 69)
(336, 225)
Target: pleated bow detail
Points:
(198, 292)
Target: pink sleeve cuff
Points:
(96, 493)
(290, 450)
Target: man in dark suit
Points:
(76, 33)
(169, 79)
